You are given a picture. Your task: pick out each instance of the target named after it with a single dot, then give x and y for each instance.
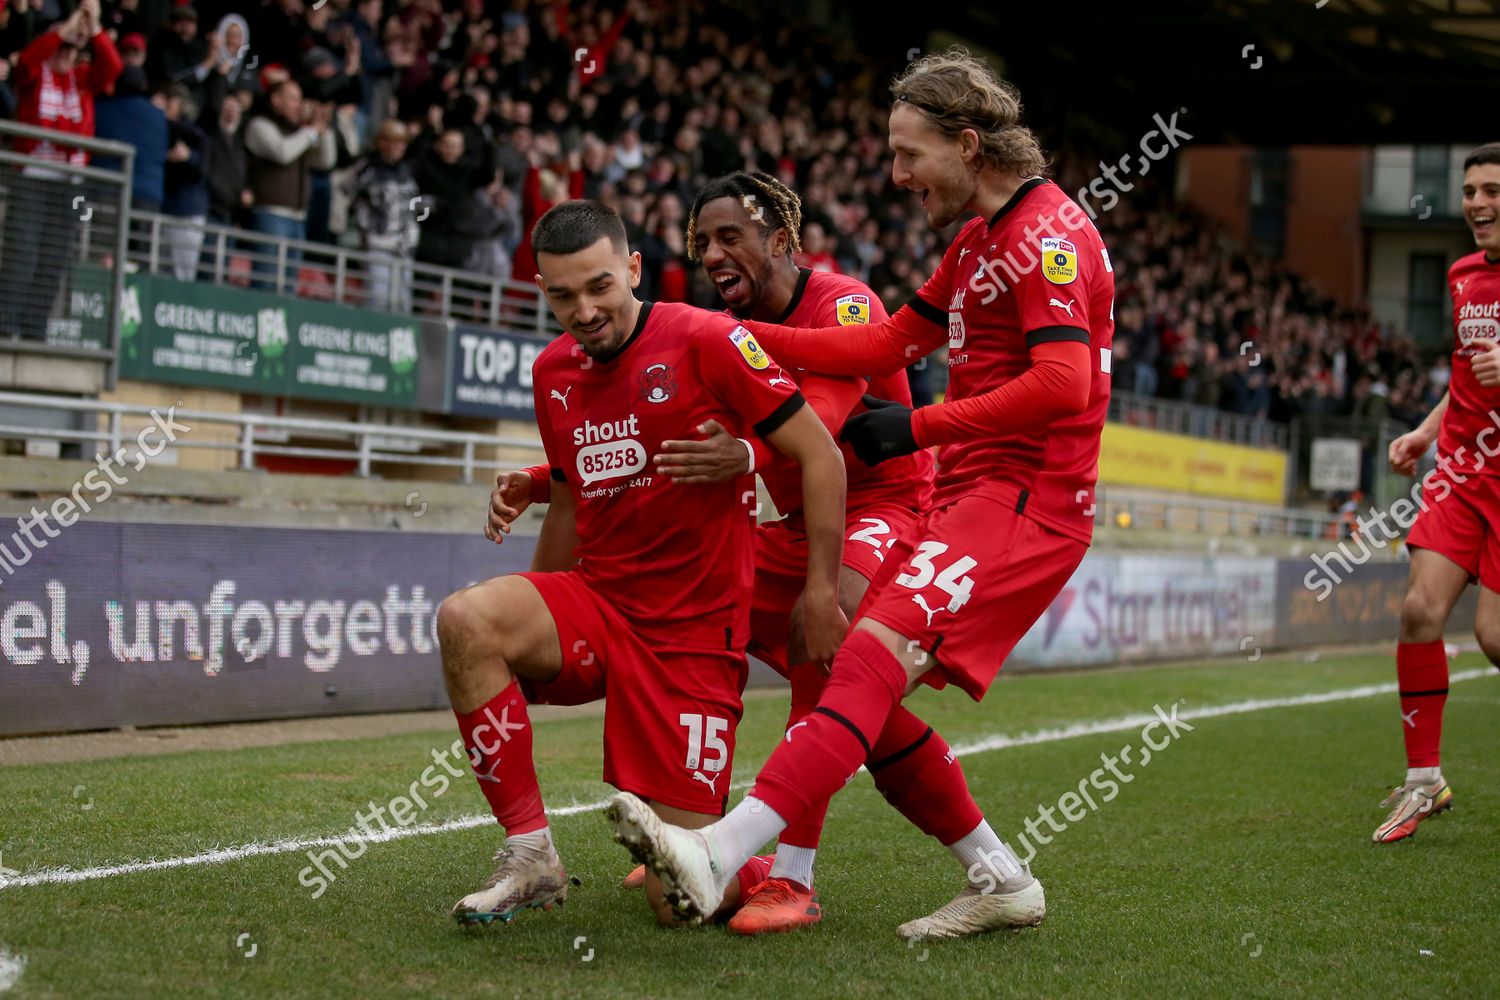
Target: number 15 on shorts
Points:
(703, 734)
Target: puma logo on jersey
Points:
(1461, 283)
(921, 602)
(562, 397)
(780, 380)
(700, 776)
(1065, 307)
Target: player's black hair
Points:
(577, 225)
(1488, 153)
(767, 201)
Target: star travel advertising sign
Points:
(256, 342)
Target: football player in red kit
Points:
(743, 228)
(1023, 298)
(637, 582)
(1456, 538)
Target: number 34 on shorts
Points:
(933, 566)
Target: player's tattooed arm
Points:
(804, 439)
(877, 349)
(557, 545)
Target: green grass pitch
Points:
(1237, 862)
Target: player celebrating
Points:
(743, 228)
(637, 582)
(1454, 541)
(1023, 297)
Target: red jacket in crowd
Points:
(64, 102)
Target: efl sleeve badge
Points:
(1059, 260)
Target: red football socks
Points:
(820, 753)
(915, 771)
(498, 738)
(807, 684)
(1422, 676)
(753, 873)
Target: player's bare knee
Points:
(471, 631)
(1422, 618)
(852, 588)
(458, 621)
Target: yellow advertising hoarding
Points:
(1134, 456)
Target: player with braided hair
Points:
(767, 202)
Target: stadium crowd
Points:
(440, 131)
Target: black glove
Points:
(882, 432)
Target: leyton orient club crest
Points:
(657, 384)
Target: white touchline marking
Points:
(1128, 722)
(61, 876)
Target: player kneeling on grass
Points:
(743, 229)
(637, 582)
(1023, 300)
(1456, 538)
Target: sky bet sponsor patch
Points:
(853, 309)
(1059, 260)
(743, 339)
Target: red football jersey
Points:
(1474, 286)
(677, 560)
(1034, 273)
(825, 299)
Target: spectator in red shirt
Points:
(53, 91)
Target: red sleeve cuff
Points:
(541, 483)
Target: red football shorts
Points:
(966, 581)
(671, 714)
(781, 568)
(1462, 527)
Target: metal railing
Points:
(63, 244)
(231, 256)
(300, 268)
(1196, 421)
(258, 434)
(433, 447)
